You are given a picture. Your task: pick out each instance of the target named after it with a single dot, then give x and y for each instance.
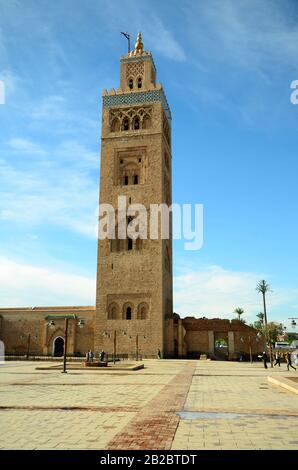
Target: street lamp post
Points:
(115, 350)
(65, 345)
(250, 351)
(137, 337)
(28, 346)
(52, 325)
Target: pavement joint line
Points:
(158, 415)
(242, 413)
(104, 409)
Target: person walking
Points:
(158, 354)
(264, 358)
(89, 356)
(102, 355)
(277, 359)
(289, 361)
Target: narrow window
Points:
(130, 83)
(139, 82)
(135, 179)
(125, 180)
(128, 313)
(136, 124)
(125, 125)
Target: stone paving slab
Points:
(176, 404)
(51, 429)
(155, 425)
(285, 382)
(232, 406)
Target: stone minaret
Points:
(134, 277)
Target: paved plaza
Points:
(170, 404)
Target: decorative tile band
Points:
(138, 59)
(138, 98)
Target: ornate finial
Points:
(139, 44)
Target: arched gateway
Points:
(58, 346)
(215, 337)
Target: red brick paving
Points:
(155, 425)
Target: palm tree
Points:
(239, 312)
(261, 317)
(263, 287)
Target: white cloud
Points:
(164, 42)
(214, 291)
(26, 146)
(58, 186)
(249, 34)
(24, 285)
(144, 18)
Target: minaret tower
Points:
(134, 277)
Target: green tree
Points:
(261, 317)
(292, 337)
(259, 324)
(239, 312)
(263, 288)
(275, 330)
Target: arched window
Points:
(127, 311)
(146, 122)
(139, 82)
(125, 124)
(113, 311)
(125, 180)
(142, 311)
(136, 123)
(130, 83)
(115, 126)
(136, 179)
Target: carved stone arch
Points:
(146, 122)
(115, 125)
(58, 346)
(127, 311)
(58, 332)
(143, 311)
(113, 311)
(136, 123)
(125, 124)
(130, 173)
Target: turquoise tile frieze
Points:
(143, 97)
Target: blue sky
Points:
(226, 66)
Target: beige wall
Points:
(17, 324)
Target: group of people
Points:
(90, 356)
(278, 358)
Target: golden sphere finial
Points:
(139, 44)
